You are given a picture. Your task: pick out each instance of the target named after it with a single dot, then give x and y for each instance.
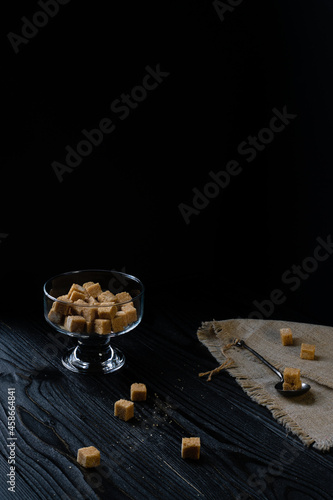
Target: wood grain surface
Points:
(245, 453)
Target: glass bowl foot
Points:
(91, 359)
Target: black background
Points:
(119, 209)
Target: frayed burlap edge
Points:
(207, 334)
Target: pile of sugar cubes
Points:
(89, 309)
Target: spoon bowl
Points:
(279, 385)
(288, 394)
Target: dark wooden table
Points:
(245, 453)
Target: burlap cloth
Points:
(309, 416)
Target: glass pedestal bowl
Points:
(93, 306)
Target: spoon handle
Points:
(241, 343)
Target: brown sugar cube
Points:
(76, 307)
(93, 289)
(77, 292)
(90, 327)
(191, 448)
(292, 387)
(61, 307)
(76, 295)
(123, 315)
(107, 310)
(124, 409)
(75, 324)
(77, 287)
(54, 316)
(138, 392)
(119, 322)
(291, 375)
(106, 296)
(92, 302)
(89, 457)
(308, 351)
(130, 311)
(102, 326)
(88, 283)
(292, 379)
(88, 312)
(286, 336)
(123, 297)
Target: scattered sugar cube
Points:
(292, 387)
(286, 336)
(292, 379)
(191, 448)
(124, 409)
(291, 374)
(138, 392)
(308, 351)
(88, 457)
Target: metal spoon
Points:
(279, 385)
